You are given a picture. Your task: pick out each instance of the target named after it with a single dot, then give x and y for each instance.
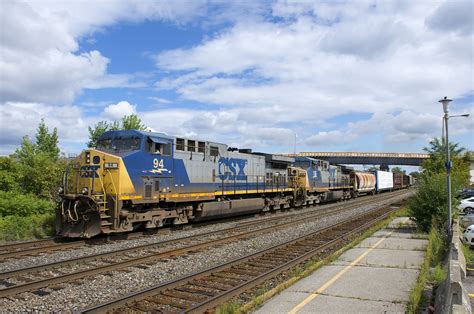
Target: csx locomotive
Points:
(139, 179)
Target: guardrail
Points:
(451, 295)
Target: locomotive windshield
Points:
(119, 144)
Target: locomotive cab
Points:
(126, 167)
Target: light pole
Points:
(445, 101)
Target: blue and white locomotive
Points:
(135, 178)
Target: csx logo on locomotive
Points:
(89, 171)
(232, 168)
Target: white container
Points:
(384, 180)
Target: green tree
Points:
(9, 179)
(47, 142)
(429, 205)
(26, 150)
(132, 122)
(438, 147)
(38, 168)
(398, 170)
(94, 133)
(128, 122)
(415, 174)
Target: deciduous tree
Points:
(128, 122)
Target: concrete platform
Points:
(468, 283)
(374, 277)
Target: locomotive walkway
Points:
(376, 276)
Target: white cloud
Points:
(453, 16)
(160, 100)
(117, 111)
(325, 139)
(19, 119)
(275, 70)
(41, 60)
(319, 60)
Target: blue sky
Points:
(342, 76)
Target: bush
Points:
(23, 228)
(12, 203)
(429, 205)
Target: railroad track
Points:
(54, 244)
(53, 274)
(203, 291)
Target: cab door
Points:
(161, 155)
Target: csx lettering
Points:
(232, 168)
(89, 171)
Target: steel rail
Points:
(36, 284)
(19, 245)
(61, 246)
(227, 295)
(215, 300)
(36, 246)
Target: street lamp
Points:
(445, 101)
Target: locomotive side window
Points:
(214, 151)
(191, 146)
(201, 147)
(166, 149)
(180, 144)
(161, 149)
(159, 146)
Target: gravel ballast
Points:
(100, 288)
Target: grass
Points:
(468, 253)
(301, 272)
(437, 274)
(29, 227)
(434, 254)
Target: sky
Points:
(334, 75)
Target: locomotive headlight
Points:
(85, 191)
(88, 157)
(111, 165)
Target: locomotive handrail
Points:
(116, 193)
(103, 188)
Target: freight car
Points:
(364, 183)
(137, 178)
(384, 181)
(397, 181)
(401, 181)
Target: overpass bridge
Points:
(395, 159)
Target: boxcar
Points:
(384, 181)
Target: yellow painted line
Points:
(328, 283)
